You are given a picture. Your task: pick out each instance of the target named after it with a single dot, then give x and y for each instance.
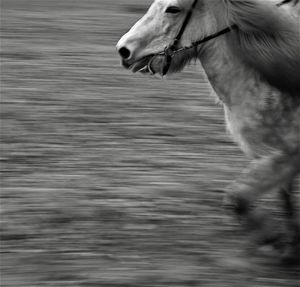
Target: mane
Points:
(267, 40)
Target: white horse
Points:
(250, 51)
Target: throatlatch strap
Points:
(171, 51)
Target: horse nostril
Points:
(124, 52)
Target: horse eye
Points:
(173, 10)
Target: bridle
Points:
(171, 50)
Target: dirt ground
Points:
(109, 178)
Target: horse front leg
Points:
(291, 212)
(263, 175)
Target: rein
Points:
(170, 51)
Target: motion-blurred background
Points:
(109, 178)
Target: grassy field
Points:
(112, 179)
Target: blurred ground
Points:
(108, 178)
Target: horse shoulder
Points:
(265, 120)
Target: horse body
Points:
(260, 118)
(254, 71)
(265, 123)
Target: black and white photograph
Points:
(150, 143)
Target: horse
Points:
(250, 52)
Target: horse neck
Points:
(228, 76)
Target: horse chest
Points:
(262, 126)
(236, 126)
(253, 109)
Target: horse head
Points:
(144, 47)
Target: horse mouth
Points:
(141, 65)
